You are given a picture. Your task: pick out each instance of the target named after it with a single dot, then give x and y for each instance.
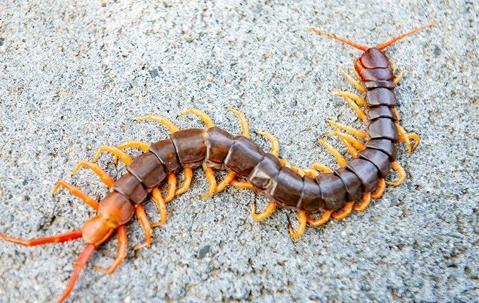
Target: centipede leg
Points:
(364, 203)
(311, 173)
(160, 205)
(343, 212)
(143, 146)
(267, 212)
(333, 151)
(302, 220)
(321, 220)
(203, 116)
(242, 185)
(350, 130)
(354, 106)
(229, 179)
(357, 84)
(188, 176)
(231, 176)
(321, 168)
(401, 174)
(358, 145)
(75, 191)
(115, 151)
(145, 224)
(379, 190)
(171, 188)
(120, 254)
(355, 100)
(80, 264)
(273, 142)
(243, 122)
(59, 238)
(104, 177)
(170, 126)
(210, 176)
(294, 168)
(406, 138)
(352, 150)
(298, 170)
(398, 78)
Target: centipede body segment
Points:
(317, 193)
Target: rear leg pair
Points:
(121, 231)
(64, 237)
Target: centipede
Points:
(317, 194)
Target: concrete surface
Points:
(73, 76)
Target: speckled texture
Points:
(73, 77)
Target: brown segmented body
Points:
(218, 149)
(214, 148)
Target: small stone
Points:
(203, 251)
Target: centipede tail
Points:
(317, 194)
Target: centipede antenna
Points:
(339, 38)
(79, 265)
(391, 41)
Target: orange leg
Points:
(210, 176)
(60, 238)
(401, 174)
(188, 176)
(116, 152)
(104, 177)
(170, 126)
(273, 141)
(364, 203)
(143, 146)
(350, 130)
(121, 252)
(230, 177)
(145, 224)
(351, 149)
(75, 191)
(242, 185)
(203, 117)
(302, 220)
(79, 265)
(267, 212)
(415, 138)
(311, 173)
(343, 212)
(243, 122)
(336, 154)
(379, 190)
(321, 220)
(406, 138)
(356, 101)
(160, 205)
(171, 188)
(348, 138)
(357, 84)
(321, 168)
(398, 77)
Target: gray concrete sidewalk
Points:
(73, 77)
